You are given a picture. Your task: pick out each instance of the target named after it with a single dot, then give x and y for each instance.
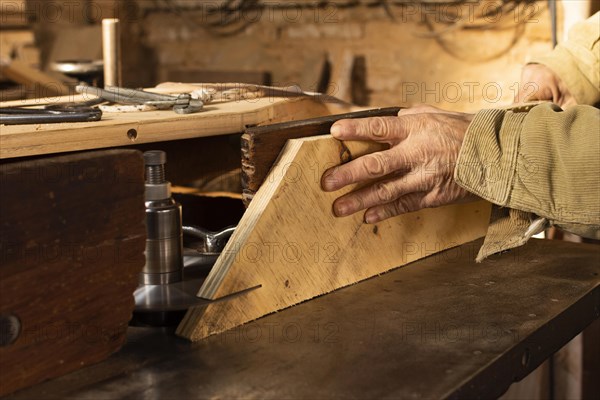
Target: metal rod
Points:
(111, 48)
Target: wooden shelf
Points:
(124, 129)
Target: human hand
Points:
(417, 171)
(538, 82)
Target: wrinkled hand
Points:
(415, 172)
(539, 82)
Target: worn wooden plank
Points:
(41, 83)
(72, 242)
(187, 74)
(123, 129)
(289, 243)
(262, 144)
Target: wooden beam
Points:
(124, 129)
(290, 248)
(72, 243)
(42, 84)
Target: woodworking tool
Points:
(164, 243)
(210, 243)
(171, 277)
(182, 104)
(49, 114)
(222, 92)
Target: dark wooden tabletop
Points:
(440, 327)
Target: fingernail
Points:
(328, 184)
(340, 209)
(336, 130)
(329, 181)
(371, 218)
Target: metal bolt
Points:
(155, 161)
(10, 328)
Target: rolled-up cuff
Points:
(486, 167)
(506, 231)
(487, 161)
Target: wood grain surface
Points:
(72, 243)
(289, 247)
(262, 144)
(38, 82)
(124, 129)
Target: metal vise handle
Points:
(211, 242)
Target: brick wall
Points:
(402, 66)
(461, 70)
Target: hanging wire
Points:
(229, 17)
(519, 6)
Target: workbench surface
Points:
(440, 327)
(124, 129)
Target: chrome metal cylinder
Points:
(164, 242)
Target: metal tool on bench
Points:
(70, 112)
(223, 92)
(181, 104)
(171, 277)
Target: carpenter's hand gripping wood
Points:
(289, 247)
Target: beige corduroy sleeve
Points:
(539, 165)
(577, 61)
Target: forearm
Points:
(542, 161)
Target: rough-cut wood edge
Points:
(228, 277)
(262, 144)
(116, 130)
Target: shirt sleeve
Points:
(534, 162)
(576, 61)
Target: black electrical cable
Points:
(230, 17)
(519, 29)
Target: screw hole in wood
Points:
(132, 134)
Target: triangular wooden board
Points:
(289, 243)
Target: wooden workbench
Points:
(442, 327)
(126, 129)
(53, 197)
